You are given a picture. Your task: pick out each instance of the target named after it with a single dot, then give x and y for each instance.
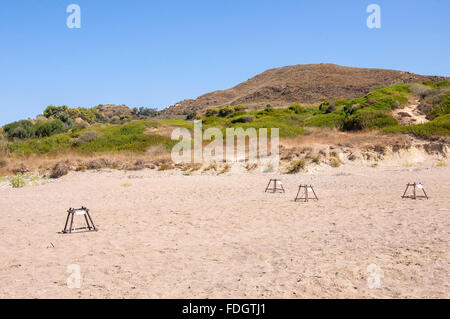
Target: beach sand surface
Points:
(166, 235)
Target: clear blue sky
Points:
(155, 53)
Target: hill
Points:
(304, 84)
(384, 121)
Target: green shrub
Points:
(128, 137)
(420, 89)
(48, 128)
(243, 119)
(17, 181)
(225, 111)
(331, 108)
(111, 138)
(297, 108)
(368, 119)
(211, 112)
(20, 129)
(326, 120)
(191, 116)
(52, 110)
(239, 108)
(86, 137)
(236, 114)
(438, 126)
(438, 85)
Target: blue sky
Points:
(155, 53)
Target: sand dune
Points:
(165, 235)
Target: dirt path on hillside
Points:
(410, 113)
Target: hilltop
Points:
(304, 84)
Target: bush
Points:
(60, 169)
(237, 113)
(17, 181)
(147, 112)
(296, 166)
(191, 116)
(86, 137)
(243, 119)
(48, 128)
(335, 162)
(225, 111)
(367, 119)
(20, 129)
(52, 110)
(438, 126)
(326, 120)
(420, 89)
(239, 107)
(211, 112)
(331, 108)
(297, 109)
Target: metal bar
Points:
(314, 193)
(296, 197)
(407, 186)
(67, 220)
(423, 189)
(91, 220)
(267, 186)
(71, 222)
(87, 222)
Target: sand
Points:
(165, 235)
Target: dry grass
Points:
(226, 168)
(441, 163)
(335, 162)
(318, 138)
(191, 167)
(251, 166)
(165, 166)
(316, 159)
(211, 166)
(296, 166)
(407, 164)
(79, 162)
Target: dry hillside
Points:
(304, 84)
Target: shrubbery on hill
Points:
(367, 119)
(63, 128)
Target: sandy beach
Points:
(165, 235)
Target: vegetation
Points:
(296, 166)
(103, 138)
(438, 126)
(335, 162)
(17, 181)
(118, 128)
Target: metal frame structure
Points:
(304, 196)
(275, 187)
(79, 211)
(414, 195)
